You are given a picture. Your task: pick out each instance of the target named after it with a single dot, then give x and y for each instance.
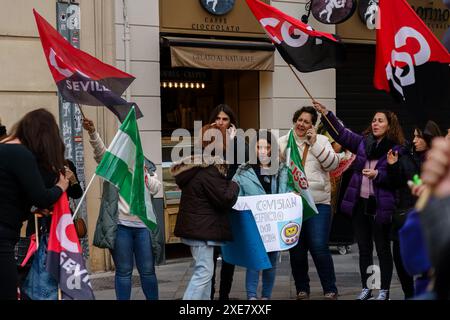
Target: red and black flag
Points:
(64, 259)
(411, 63)
(306, 49)
(82, 78)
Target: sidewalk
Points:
(174, 276)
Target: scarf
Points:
(375, 150)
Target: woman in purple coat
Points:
(370, 198)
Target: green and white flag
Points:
(297, 179)
(123, 166)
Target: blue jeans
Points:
(268, 278)
(314, 237)
(134, 244)
(199, 287)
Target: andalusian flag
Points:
(123, 166)
(297, 179)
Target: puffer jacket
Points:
(249, 184)
(206, 199)
(321, 159)
(383, 188)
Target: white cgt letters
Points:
(417, 59)
(286, 37)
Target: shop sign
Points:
(333, 11)
(219, 24)
(218, 7)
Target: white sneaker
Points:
(383, 295)
(365, 294)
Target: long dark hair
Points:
(395, 131)
(39, 132)
(223, 108)
(430, 131)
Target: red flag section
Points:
(80, 77)
(403, 42)
(411, 63)
(64, 258)
(299, 44)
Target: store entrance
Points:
(189, 95)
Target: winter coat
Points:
(206, 199)
(321, 159)
(384, 192)
(408, 165)
(249, 184)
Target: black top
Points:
(265, 180)
(50, 179)
(21, 186)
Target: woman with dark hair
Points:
(370, 198)
(207, 197)
(401, 169)
(223, 117)
(318, 158)
(34, 142)
(257, 179)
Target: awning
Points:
(220, 54)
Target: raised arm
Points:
(345, 137)
(95, 140)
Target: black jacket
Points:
(206, 199)
(21, 186)
(408, 165)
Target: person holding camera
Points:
(370, 197)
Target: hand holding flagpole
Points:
(322, 109)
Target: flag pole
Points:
(81, 110)
(36, 227)
(312, 99)
(423, 199)
(82, 197)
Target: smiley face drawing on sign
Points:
(290, 233)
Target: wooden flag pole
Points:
(36, 228)
(423, 199)
(312, 99)
(81, 110)
(82, 197)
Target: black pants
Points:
(406, 281)
(8, 267)
(226, 277)
(366, 232)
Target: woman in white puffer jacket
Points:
(320, 160)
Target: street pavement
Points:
(174, 276)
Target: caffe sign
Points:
(218, 7)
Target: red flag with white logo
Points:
(80, 77)
(298, 43)
(411, 62)
(64, 257)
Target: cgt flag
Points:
(411, 63)
(64, 259)
(306, 49)
(82, 78)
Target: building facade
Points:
(221, 56)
